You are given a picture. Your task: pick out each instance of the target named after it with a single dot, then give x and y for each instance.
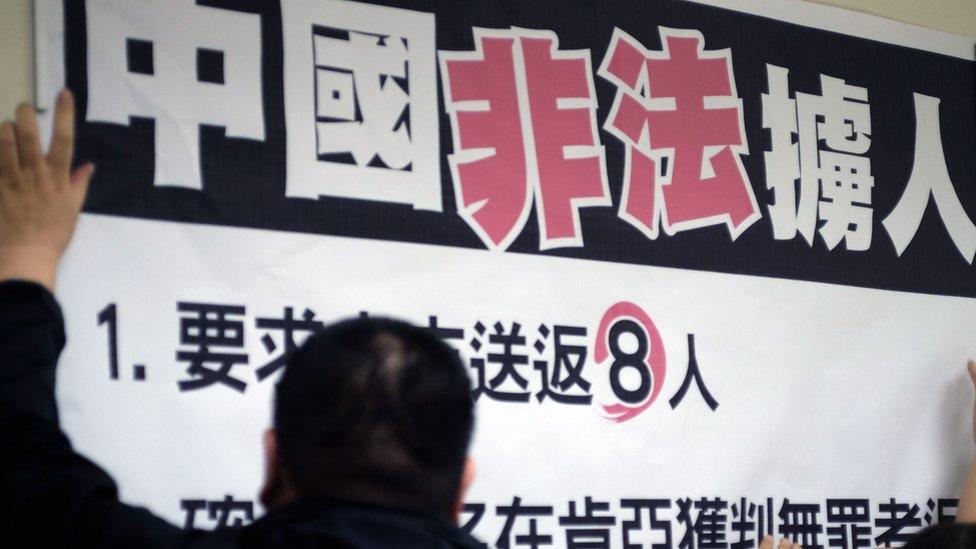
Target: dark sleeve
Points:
(51, 496)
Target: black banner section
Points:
(243, 179)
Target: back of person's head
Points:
(945, 536)
(377, 411)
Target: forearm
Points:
(31, 339)
(29, 263)
(42, 479)
(51, 495)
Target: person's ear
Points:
(270, 441)
(276, 491)
(467, 478)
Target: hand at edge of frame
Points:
(40, 197)
(971, 368)
(768, 543)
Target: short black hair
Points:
(945, 536)
(375, 410)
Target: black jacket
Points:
(51, 496)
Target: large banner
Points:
(710, 263)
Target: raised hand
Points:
(40, 197)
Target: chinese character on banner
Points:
(361, 114)
(835, 182)
(468, 525)
(693, 374)
(800, 522)
(941, 510)
(361, 101)
(523, 115)
(930, 181)
(680, 118)
(190, 509)
(180, 64)
(899, 522)
(562, 381)
(225, 513)
(746, 524)
(289, 326)
(706, 530)
(505, 354)
(589, 529)
(655, 533)
(205, 326)
(451, 336)
(849, 523)
(511, 532)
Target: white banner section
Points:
(820, 391)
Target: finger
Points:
(785, 544)
(971, 366)
(9, 164)
(28, 139)
(80, 180)
(63, 136)
(767, 543)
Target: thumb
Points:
(971, 366)
(81, 178)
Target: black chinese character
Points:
(693, 373)
(654, 522)
(896, 517)
(800, 522)
(507, 359)
(512, 512)
(567, 367)
(288, 325)
(744, 525)
(477, 511)
(945, 511)
(848, 523)
(190, 508)
(222, 512)
(211, 325)
(448, 335)
(708, 527)
(588, 531)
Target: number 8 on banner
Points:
(647, 360)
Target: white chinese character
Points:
(783, 159)
(834, 185)
(361, 103)
(144, 61)
(846, 183)
(930, 177)
(372, 64)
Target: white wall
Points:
(957, 16)
(16, 50)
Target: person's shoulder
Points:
(225, 538)
(311, 525)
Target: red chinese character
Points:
(524, 123)
(677, 112)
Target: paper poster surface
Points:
(712, 273)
